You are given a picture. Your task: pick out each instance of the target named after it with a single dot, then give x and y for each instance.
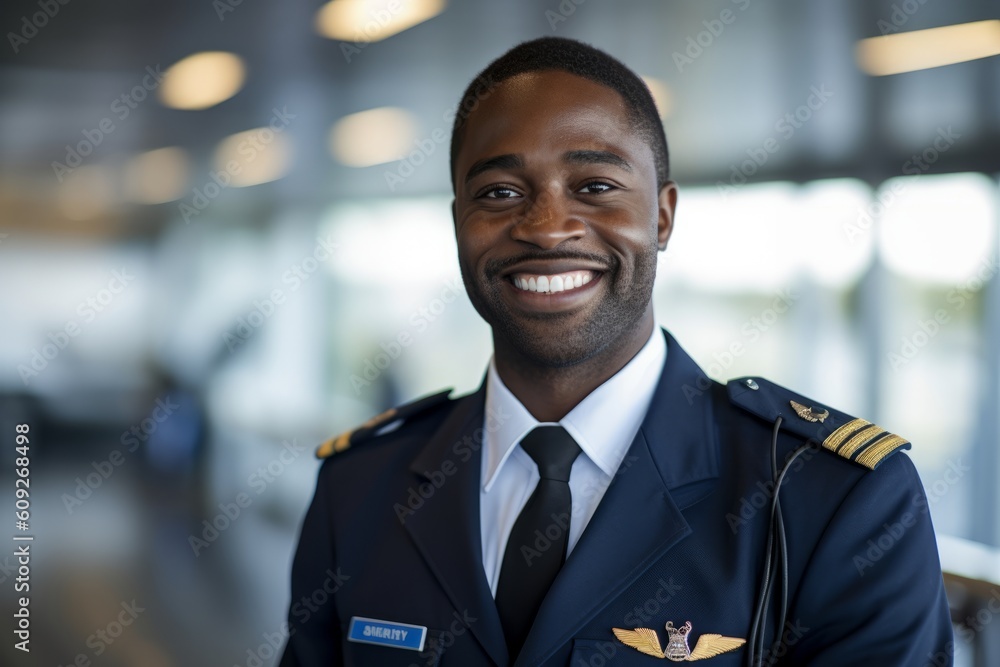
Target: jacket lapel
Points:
(639, 518)
(446, 529)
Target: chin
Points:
(560, 349)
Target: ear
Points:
(667, 201)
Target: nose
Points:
(547, 221)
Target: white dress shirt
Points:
(603, 424)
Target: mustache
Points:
(495, 267)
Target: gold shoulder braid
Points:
(367, 430)
(854, 439)
(867, 443)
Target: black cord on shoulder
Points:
(775, 561)
(756, 638)
(783, 551)
(778, 526)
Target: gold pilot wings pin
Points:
(809, 413)
(647, 641)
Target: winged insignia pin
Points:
(647, 641)
(808, 413)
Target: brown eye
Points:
(500, 192)
(596, 188)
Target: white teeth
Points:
(550, 284)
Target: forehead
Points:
(536, 110)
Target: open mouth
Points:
(552, 283)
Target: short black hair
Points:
(583, 60)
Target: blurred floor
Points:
(124, 566)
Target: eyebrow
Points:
(508, 161)
(511, 161)
(597, 157)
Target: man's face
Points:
(558, 218)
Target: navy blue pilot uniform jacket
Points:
(681, 536)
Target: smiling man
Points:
(599, 500)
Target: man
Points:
(599, 500)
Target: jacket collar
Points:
(673, 456)
(446, 529)
(639, 519)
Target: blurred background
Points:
(219, 219)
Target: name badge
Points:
(387, 633)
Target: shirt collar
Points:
(604, 423)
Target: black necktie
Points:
(536, 548)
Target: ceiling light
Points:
(373, 137)
(86, 193)
(373, 20)
(924, 49)
(157, 176)
(202, 80)
(256, 156)
(661, 95)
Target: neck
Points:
(550, 393)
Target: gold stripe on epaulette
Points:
(860, 439)
(325, 449)
(380, 417)
(334, 445)
(872, 456)
(835, 439)
(343, 441)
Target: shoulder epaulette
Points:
(371, 427)
(854, 439)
